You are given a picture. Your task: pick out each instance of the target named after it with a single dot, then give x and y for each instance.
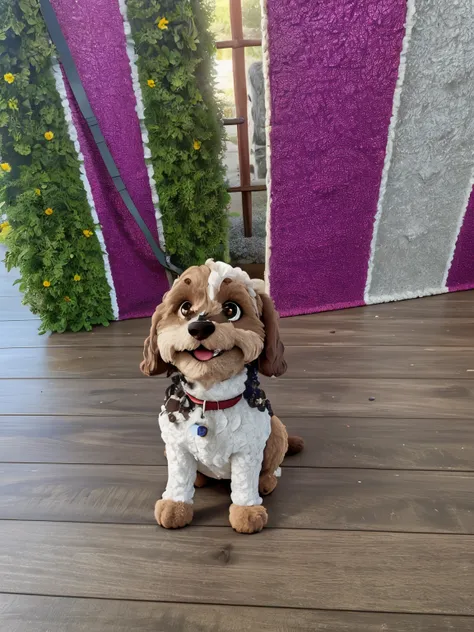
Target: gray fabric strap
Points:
(77, 88)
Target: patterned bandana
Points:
(179, 407)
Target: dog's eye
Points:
(185, 309)
(231, 311)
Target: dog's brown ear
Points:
(152, 363)
(271, 361)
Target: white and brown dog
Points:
(213, 332)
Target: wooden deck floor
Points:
(371, 528)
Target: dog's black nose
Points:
(201, 329)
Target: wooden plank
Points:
(7, 289)
(23, 333)
(247, 189)
(236, 43)
(409, 573)
(343, 397)
(64, 439)
(13, 274)
(297, 331)
(29, 613)
(362, 500)
(426, 444)
(11, 308)
(418, 444)
(380, 362)
(458, 304)
(303, 362)
(241, 108)
(233, 121)
(75, 362)
(314, 330)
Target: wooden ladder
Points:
(238, 45)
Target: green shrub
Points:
(184, 123)
(61, 266)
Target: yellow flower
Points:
(5, 166)
(197, 145)
(151, 83)
(13, 104)
(38, 191)
(46, 283)
(87, 233)
(162, 24)
(9, 78)
(49, 211)
(5, 229)
(67, 299)
(49, 135)
(77, 277)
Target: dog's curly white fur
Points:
(211, 326)
(233, 449)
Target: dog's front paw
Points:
(248, 519)
(171, 514)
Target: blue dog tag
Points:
(199, 431)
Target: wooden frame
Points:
(238, 45)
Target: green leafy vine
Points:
(184, 122)
(52, 239)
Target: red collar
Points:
(226, 403)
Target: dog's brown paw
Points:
(248, 519)
(173, 515)
(267, 484)
(295, 445)
(201, 480)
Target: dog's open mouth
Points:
(204, 355)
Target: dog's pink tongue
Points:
(203, 355)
